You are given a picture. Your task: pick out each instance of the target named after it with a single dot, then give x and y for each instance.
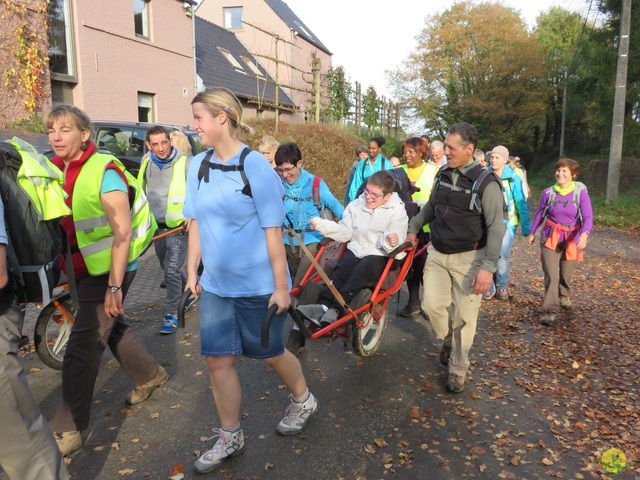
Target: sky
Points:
(368, 37)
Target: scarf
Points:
(564, 191)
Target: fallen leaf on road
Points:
(35, 370)
(546, 461)
(115, 445)
(127, 471)
(198, 373)
(268, 466)
(177, 405)
(177, 468)
(515, 461)
(414, 413)
(135, 440)
(369, 449)
(154, 415)
(380, 442)
(575, 365)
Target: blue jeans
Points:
(172, 253)
(501, 278)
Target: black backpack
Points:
(35, 245)
(206, 166)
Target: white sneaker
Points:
(297, 416)
(228, 445)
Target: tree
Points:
(476, 63)
(340, 94)
(370, 103)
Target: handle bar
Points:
(266, 324)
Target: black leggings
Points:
(351, 275)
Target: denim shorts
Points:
(232, 326)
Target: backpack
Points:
(315, 194)
(475, 202)
(206, 166)
(364, 165)
(403, 187)
(35, 244)
(575, 199)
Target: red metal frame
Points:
(378, 297)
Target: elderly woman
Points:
(374, 225)
(566, 217)
(105, 251)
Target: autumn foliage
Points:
(327, 150)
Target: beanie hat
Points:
(502, 151)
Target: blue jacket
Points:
(299, 206)
(514, 196)
(364, 171)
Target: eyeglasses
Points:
(282, 171)
(375, 196)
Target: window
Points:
(141, 18)
(252, 66)
(61, 92)
(231, 59)
(145, 107)
(61, 46)
(232, 17)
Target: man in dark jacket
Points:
(466, 214)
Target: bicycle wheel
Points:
(52, 332)
(366, 340)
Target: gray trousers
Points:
(558, 275)
(172, 253)
(28, 450)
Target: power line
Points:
(584, 26)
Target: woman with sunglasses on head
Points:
(237, 234)
(374, 225)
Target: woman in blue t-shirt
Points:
(238, 237)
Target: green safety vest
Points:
(512, 213)
(177, 190)
(42, 181)
(93, 232)
(425, 183)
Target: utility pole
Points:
(617, 129)
(564, 110)
(358, 106)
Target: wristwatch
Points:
(113, 288)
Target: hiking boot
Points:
(170, 325)
(410, 309)
(445, 353)
(502, 294)
(565, 302)
(455, 383)
(297, 416)
(329, 317)
(295, 342)
(68, 442)
(548, 319)
(488, 295)
(141, 393)
(313, 312)
(229, 444)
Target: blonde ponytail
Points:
(220, 99)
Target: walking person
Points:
(422, 175)
(464, 250)
(106, 235)
(28, 450)
(163, 176)
(373, 163)
(361, 154)
(517, 214)
(566, 218)
(231, 215)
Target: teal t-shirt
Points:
(111, 182)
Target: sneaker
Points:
(297, 416)
(445, 353)
(229, 444)
(565, 302)
(455, 383)
(313, 312)
(410, 309)
(141, 393)
(190, 301)
(329, 317)
(488, 295)
(170, 325)
(548, 319)
(68, 442)
(502, 294)
(295, 342)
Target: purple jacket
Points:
(564, 211)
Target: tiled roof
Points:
(292, 21)
(216, 70)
